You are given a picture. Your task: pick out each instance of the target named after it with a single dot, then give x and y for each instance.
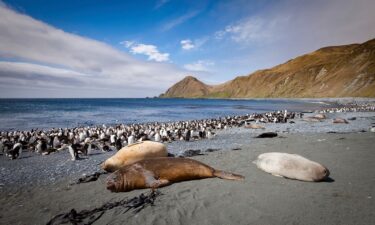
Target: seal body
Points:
(133, 153)
(320, 116)
(254, 126)
(340, 120)
(291, 166)
(159, 172)
(311, 119)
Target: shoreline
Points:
(323, 102)
(56, 164)
(28, 184)
(260, 199)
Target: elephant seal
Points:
(311, 119)
(254, 126)
(320, 116)
(340, 120)
(291, 166)
(133, 153)
(159, 172)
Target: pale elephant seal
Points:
(133, 153)
(320, 116)
(291, 166)
(311, 119)
(254, 126)
(340, 120)
(158, 172)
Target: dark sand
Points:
(259, 199)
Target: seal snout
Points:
(111, 182)
(326, 173)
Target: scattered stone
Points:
(352, 118)
(236, 149)
(191, 153)
(267, 135)
(171, 155)
(89, 178)
(212, 150)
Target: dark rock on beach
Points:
(267, 135)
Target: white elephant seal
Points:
(291, 166)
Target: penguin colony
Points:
(83, 140)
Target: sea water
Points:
(26, 114)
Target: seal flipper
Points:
(276, 175)
(159, 183)
(227, 176)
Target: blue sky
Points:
(140, 48)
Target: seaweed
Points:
(88, 217)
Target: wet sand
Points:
(259, 199)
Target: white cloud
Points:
(179, 20)
(160, 3)
(127, 44)
(200, 66)
(252, 29)
(187, 44)
(48, 52)
(150, 50)
(311, 24)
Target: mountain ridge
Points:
(333, 71)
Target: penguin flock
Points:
(350, 108)
(84, 140)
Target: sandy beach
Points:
(346, 149)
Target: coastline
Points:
(260, 199)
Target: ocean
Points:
(27, 114)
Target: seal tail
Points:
(228, 176)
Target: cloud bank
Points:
(36, 56)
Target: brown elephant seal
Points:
(291, 166)
(133, 153)
(340, 120)
(160, 172)
(254, 126)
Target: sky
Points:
(118, 48)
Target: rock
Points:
(191, 153)
(267, 135)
